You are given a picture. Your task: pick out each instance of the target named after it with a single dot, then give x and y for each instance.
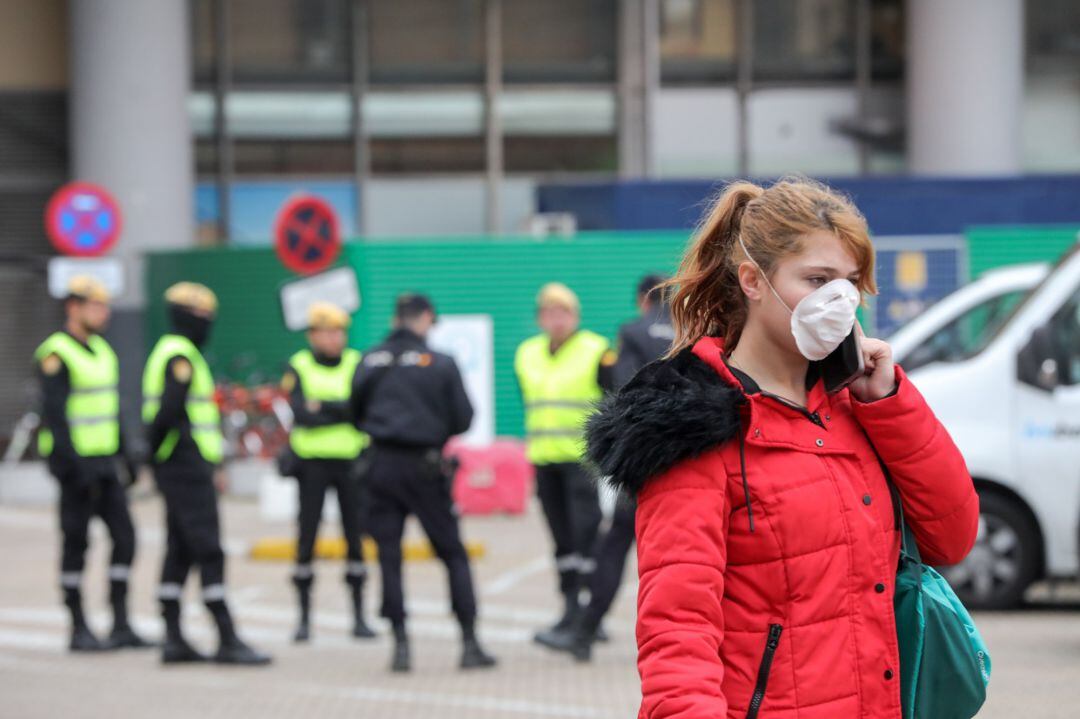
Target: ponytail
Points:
(707, 299)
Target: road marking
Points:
(510, 579)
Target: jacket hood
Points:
(673, 409)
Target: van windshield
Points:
(991, 333)
(967, 334)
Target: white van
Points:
(955, 327)
(1007, 387)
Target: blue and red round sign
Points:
(306, 235)
(83, 220)
(307, 238)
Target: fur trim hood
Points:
(672, 410)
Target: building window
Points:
(1053, 35)
(561, 153)
(887, 39)
(558, 40)
(426, 41)
(293, 157)
(697, 41)
(426, 155)
(804, 40)
(290, 41)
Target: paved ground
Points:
(1036, 652)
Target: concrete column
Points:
(637, 84)
(965, 73)
(130, 77)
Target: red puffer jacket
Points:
(767, 537)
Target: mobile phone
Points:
(845, 364)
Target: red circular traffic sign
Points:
(82, 219)
(306, 235)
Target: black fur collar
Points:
(672, 410)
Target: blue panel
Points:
(892, 205)
(907, 287)
(255, 205)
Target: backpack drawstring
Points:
(745, 483)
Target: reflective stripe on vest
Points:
(326, 384)
(202, 412)
(93, 405)
(560, 392)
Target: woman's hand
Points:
(880, 378)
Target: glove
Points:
(288, 464)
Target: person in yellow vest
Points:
(81, 439)
(183, 428)
(327, 444)
(562, 373)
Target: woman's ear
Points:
(750, 281)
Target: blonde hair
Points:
(558, 295)
(707, 299)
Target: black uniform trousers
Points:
(611, 554)
(315, 477)
(93, 489)
(568, 495)
(407, 481)
(194, 531)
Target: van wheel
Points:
(1004, 561)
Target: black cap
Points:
(648, 286)
(410, 306)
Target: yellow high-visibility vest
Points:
(326, 384)
(202, 410)
(93, 405)
(560, 392)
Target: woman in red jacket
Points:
(767, 531)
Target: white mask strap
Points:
(763, 275)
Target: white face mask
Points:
(823, 318)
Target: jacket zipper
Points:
(812, 416)
(763, 671)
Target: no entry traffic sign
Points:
(306, 235)
(82, 219)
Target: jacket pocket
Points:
(775, 630)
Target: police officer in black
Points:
(411, 400)
(640, 342)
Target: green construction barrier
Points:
(990, 247)
(475, 275)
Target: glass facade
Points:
(734, 86)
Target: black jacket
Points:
(642, 341)
(406, 394)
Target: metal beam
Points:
(744, 77)
(493, 71)
(360, 71)
(222, 85)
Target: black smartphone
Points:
(845, 364)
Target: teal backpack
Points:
(944, 662)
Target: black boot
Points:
(578, 641)
(176, 650)
(303, 596)
(401, 661)
(82, 639)
(556, 635)
(122, 635)
(361, 630)
(473, 655)
(232, 650)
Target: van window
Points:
(966, 335)
(1065, 337)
